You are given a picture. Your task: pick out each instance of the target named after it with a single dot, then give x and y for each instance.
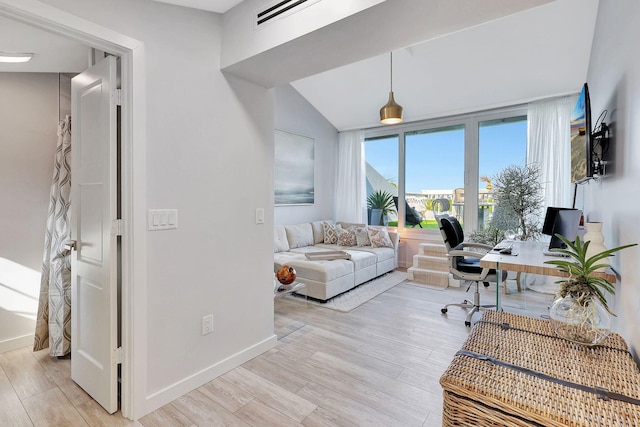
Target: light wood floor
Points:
(378, 365)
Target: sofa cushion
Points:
(280, 242)
(330, 233)
(379, 238)
(320, 271)
(318, 231)
(362, 236)
(299, 235)
(346, 237)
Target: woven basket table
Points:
(514, 371)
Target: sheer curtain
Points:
(53, 324)
(350, 185)
(549, 147)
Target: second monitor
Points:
(563, 221)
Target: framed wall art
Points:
(294, 169)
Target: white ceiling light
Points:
(15, 57)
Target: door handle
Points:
(71, 245)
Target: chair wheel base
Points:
(444, 310)
(467, 324)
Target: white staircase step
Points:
(428, 277)
(431, 262)
(432, 249)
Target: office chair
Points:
(411, 216)
(464, 263)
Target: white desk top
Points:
(529, 257)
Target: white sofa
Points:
(328, 278)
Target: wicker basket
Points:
(526, 376)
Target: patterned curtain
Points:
(53, 325)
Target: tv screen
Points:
(581, 165)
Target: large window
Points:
(381, 157)
(450, 159)
(501, 143)
(434, 169)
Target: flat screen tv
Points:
(581, 164)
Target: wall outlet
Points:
(207, 324)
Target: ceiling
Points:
(219, 6)
(538, 53)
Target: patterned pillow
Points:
(330, 233)
(346, 237)
(362, 236)
(380, 238)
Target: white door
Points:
(94, 321)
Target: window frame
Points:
(471, 124)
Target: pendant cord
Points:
(391, 70)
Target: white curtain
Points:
(350, 183)
(53, 324)
(549, 147)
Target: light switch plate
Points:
(163, 219)
(260, 216)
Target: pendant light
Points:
(391, 113)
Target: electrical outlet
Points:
(207, 324)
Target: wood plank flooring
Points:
(378, 365)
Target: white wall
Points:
(28, 119)
(614, 85)
(210, 156)
(294, 114)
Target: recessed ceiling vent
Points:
(281, 9)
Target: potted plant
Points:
(581, 313)
(380, 203)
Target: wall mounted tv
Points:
(581, 164)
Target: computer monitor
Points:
(550, 220)
(566, 223)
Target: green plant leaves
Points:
(382, 200)
(581, 269)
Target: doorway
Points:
(133, 171)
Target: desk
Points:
(530, 258)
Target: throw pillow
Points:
(280, 242)
(330, 234)
(362, 236)
(380, 238)
(346, 237)
(299, 235)
(318, 231)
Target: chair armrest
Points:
(463, 253)
(474, 245)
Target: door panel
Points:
(94, 327)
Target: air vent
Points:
(280, 9)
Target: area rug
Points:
(363, 293)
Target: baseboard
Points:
(15, 343)
(182, 387)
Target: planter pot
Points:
(376, 217)
(584, 324)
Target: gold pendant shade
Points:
(391, 112)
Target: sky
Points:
(435, 161)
